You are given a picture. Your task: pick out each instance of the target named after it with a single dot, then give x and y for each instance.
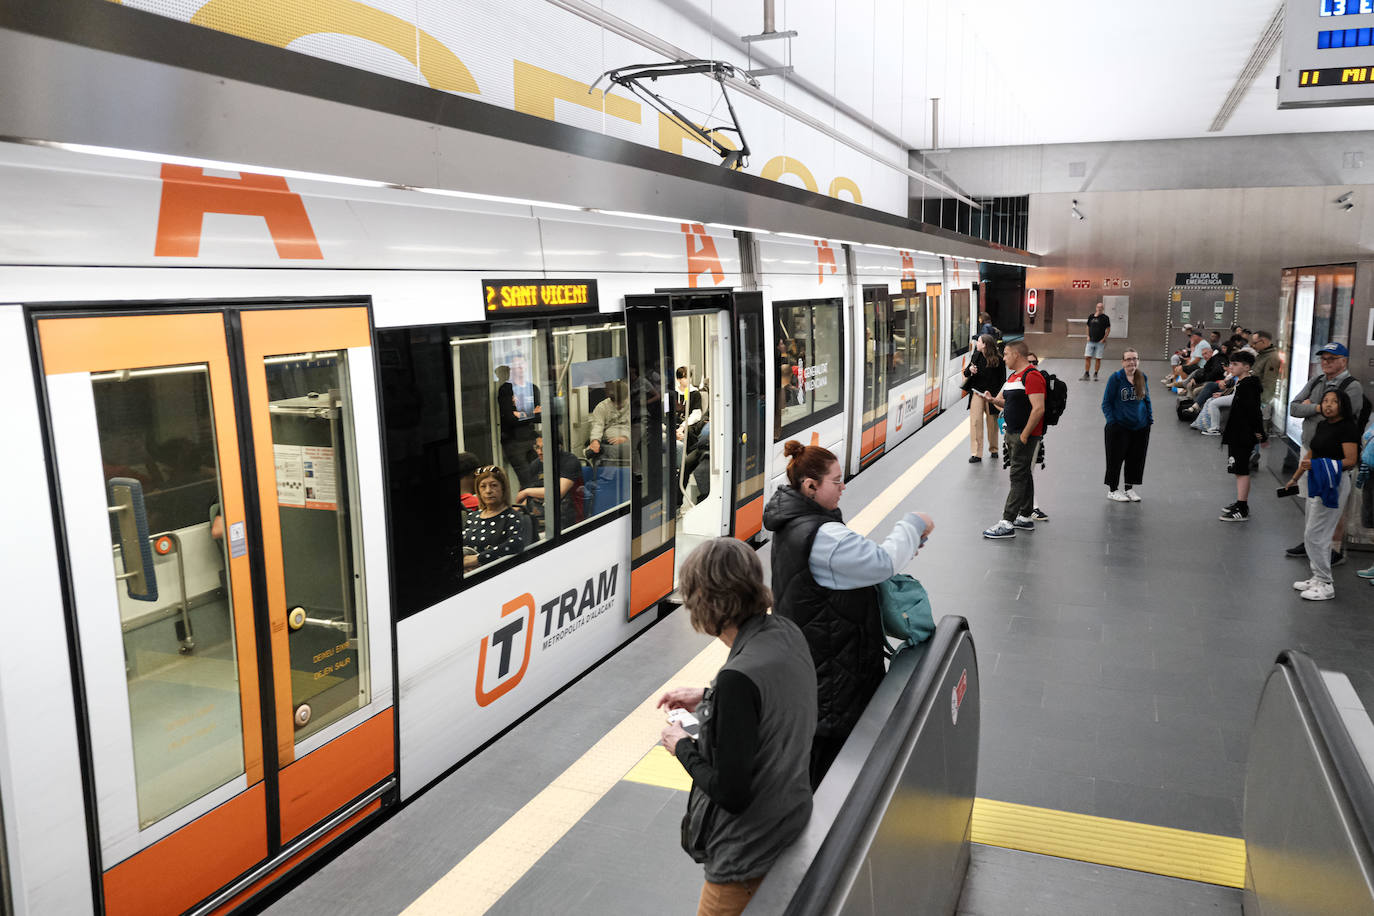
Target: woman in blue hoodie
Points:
(1126, 405)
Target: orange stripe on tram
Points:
(749, 519)
(650, 582)
(174, 874)
(328, 778)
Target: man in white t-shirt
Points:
(1199, 353)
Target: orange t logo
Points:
(701, 256)
(824, 255)
(188, 194)
(908, 266)
(505, 637)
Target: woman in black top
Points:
(493, 529)
(984, 372)
(1330, 457)
(751, 795)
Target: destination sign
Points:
(534, 297)
(1336, 76)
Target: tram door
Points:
(702, 408)
(935, 302)
(751, 414)
(234, 644)
(872, 435)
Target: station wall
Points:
(1249, 206)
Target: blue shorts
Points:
(1095, 350)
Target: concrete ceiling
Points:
(1112, 71)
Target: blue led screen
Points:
(1345, 38)
(1345, 8)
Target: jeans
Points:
(1020, 457)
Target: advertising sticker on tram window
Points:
(290, 467)
(321, 490)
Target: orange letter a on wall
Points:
(701, 255)
(188, 194)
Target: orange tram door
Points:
(221, 500)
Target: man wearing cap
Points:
(1307, 406)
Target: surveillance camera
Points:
(1077, 214)
(1345, 198)
(1347, 206)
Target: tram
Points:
(243, 416)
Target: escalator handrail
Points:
(837, 851)
(1314, 698)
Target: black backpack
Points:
(1363, 419)
(1056, 397)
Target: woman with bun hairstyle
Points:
(823, 578)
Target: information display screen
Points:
(1345, 7)
(1327, 53)
(504, 298)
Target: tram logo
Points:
(506, 637)
(562, 616)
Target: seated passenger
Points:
(610, 430)
(493, 530)
(570, 491)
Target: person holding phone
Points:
(1328, 463)
(751, 791)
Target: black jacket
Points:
(843, 627)
(1245, 424)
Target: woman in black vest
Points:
(823, 580)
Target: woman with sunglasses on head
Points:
(492, 530)
(824, 578)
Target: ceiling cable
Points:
(1259, 58)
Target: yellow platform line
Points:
(1082, 837)
(1104, 841)
(473, 885)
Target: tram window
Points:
(591, 422)
(961, 322)
(156, 432)
(810, 363)
(500, 382)
(908, 338)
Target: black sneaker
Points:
(1234, 513)
(1298, 551)
(974, 459)
(1039, 515)
(1083, 377)
(1337, 558)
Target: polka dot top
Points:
(498, 536)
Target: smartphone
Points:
(1281, 492)
(688, 721)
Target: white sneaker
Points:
(1211, 431)
(1305, 584)
(1320, 591)
(1003, 529)
(1133, 496)
(1118, 496)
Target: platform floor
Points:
(1122, 648)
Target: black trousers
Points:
(1129, 446)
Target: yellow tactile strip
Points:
(480, 879)
(1082, 837)
(1103, 841)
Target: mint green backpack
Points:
(906, 610)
